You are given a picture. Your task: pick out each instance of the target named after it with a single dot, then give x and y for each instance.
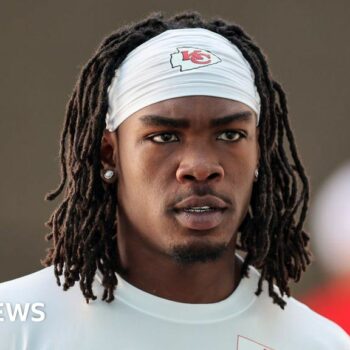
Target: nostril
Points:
(213, 176)
(208, 178)
(201, 172)
(189, 177)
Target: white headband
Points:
(180, 62)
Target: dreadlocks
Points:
(83, 227)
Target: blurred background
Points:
(44, 44)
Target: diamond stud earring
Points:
(108, 174)
(256, 173)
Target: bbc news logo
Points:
(22, 312)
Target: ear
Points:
(109, 150)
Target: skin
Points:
(157, 253)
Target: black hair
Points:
(83, 227)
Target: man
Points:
(191, 168)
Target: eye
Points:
(232, 135)
(166, 137)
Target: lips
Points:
(200, 220)
(205, 201)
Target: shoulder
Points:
(32, 286)
(41, 286)
(303, 325)
(33, 305)
(23, 305)
(24, 299)
(314, 326)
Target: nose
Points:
(199, 167)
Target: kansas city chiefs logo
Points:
(192, 58)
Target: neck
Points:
(195, 283)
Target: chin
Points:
(199, 251)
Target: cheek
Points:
(141, 173)
(242, 162)
(240, 172)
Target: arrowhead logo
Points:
(188, 58)
(244, 343)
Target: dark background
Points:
(44, 44)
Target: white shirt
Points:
(137, 320)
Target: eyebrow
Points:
(157, 120)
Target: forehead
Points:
(192, 110)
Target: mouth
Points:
(200, 213)
(201, 218)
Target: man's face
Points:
(175, 159)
